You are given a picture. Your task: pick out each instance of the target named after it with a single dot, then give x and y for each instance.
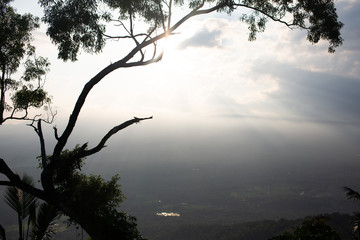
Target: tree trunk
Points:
(2, 233)
(2, 98)
(20, 227)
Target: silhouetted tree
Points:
(81, 24)
(15, 38)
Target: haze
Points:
(276, 108)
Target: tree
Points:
(15, 38)
(81, 25)
(354, 195)
(22, 203)
(314, 228)
(25, 205)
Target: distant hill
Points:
(256, 230)
(221, 201)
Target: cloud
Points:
(204, 38)
(317, 96)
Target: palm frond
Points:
(352, 194)
(32, 218)
(19, 200)
(44, 227)
(12, 195)
(28, 200)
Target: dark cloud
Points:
(349, 15)
(203, 38)
(317, 96)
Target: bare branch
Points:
(17, 118)
(162, 16)
(42, 145)
(39, 132)
(16, 181)
(170, 14)
(6, 183)
(50, 115)
(144, 63)
(265, 14)
(113, 131)
(56, 133)
(131, 25)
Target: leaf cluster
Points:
(318, 17)
(74, 24)
(323, 20)
(30, 95)
(86, 192)
(36, 69)
(15, 36)
(27, 97)
(98, 199)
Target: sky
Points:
(214, 96)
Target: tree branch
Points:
(56, 133)
(16, 181)
(17, 118)
(87, 88)
(39, 132)
(275, 19)
(113, 131)
(6, 183)
(162, 16)
(170, 15)
(42, 144)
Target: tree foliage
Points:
(81, 25)
(314, 228)
(15, 38)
